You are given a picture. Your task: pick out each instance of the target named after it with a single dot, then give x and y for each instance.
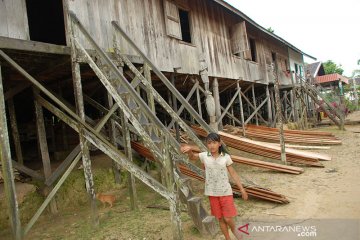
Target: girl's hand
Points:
(185, 148)
(244, 195)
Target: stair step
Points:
(122, 91)
(144, 120)
(155, 138)
(133, 105)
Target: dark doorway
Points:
(46, 21)
(185, 25)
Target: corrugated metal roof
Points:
(331, 78)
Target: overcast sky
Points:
(325, 29)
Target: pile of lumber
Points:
(236, 159)
(254, 191)
(268, 134)
(268, 150)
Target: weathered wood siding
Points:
(144, 22)
(13, 19)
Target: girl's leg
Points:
(224, 228)
(231, 223)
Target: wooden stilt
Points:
(217, 102)
(63, 128)
(172, 187)
(241, 109)
(198, 99)
(89, 182)
(128, 153)
(15, 131)
(285, 105)
(269, 108)
(278, 113)
(112, 135)
(175, 107)
(7, 169)
(44, 151)
(254, 101)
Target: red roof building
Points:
(335, 77)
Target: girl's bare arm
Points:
(191, 150)
(236, 178)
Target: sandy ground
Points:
(332, 192)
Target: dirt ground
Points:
(332, 192)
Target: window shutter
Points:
(172, 20)
(239, 40)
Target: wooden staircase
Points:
(333, 113)
(145, 124)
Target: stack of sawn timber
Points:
(254, 191)
(291, 136)
(267, 150)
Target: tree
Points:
(331, 67)
(272, 31)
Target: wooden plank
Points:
(21, 168)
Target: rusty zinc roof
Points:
(331, 78)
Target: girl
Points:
(217, 163)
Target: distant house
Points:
(314, 69)
(331, 81)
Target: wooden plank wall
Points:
(13, 19)
(144, 21)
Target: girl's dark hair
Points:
(214, 137)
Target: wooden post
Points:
(241, 109)
(150, 97)
(175, 107)
(217, 102)
(285, 105)
(198, 100)
(112, 135)
(269, 107)
(292, 105)
(89, 182)
(63, 129)
(15, 131)
(278, 113)
(128, 153)
(172, 187)
(254, 101)
(44, 151)
(7, 170)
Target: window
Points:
(177, 22)
(253, 49)
(185, 25)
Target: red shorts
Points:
(222, 206)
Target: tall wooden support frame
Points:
(217, 102)
(15, 131)
(79, 101)
(7, 169)
(128, 153)
(278, 112)
(169, 169)
(44, 150)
